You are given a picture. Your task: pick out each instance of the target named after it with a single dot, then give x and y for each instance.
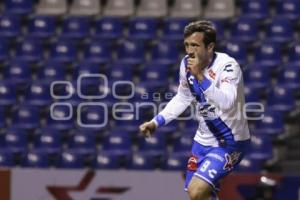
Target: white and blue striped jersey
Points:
(218, 99)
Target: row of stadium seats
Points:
(282, 97)
(82, 149)
(217, 9)
(130, 52)
(245, 29)
(63, 117)
(257, 76)
(59, 40)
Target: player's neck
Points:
(207, 62)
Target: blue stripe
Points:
(195, 87)
(205, 83)
(160, 120)
(220, 130)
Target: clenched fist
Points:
(194, 65)
(147, 129)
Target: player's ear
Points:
(211, 47)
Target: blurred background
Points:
(50, 120)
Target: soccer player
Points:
(211, 81)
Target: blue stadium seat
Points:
(29, 50)
(8, 95)
(189, 127)
(92, 116)
(119, 71)
(26, 117)
(52, 70)
(141, 28)
(261, 147)
(257, 9)
(149, 91)
(290, 77)
(281, 99)
(42, 27)
(165, 52)
(63, 91)
(68, 90)
(294, 53)
(171, 130)
(2, 119)
(237, 50)
(173, 28)
(130, 52)
(22, 7)
(16, 140)
(142, 161)
(118, 141)
(108, 28)
(183, 144)
(38, 94)
(4, 50)
(127, 125)
(61, 117)
(84, 142)
(74, 27)
(48, 140)
(70, 159)
(251, 93)
(6, 158)
(289, 9)
(64, 51)
(10, 26)
(280, 30)
(106, 160)
(220, 28)
(249, 164)
(268, 54)
(18, 72)
(122, 90)
(94, 87)
(176, 161)
(87, 67)
(245, 30)
(18, 6)
(155, 71)
(257, 77)
(35, 159)
(155, 145)
(270, 124)
(98, 52)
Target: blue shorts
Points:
(211, 164)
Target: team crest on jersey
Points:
(207, 110)
(212, 74)
(231, 160)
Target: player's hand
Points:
(147, 129)
(194, 66)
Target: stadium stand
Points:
(43, 41)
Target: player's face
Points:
(194, 45)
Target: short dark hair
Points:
(203, 26)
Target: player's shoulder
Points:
(222, 60)
(183, 63)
